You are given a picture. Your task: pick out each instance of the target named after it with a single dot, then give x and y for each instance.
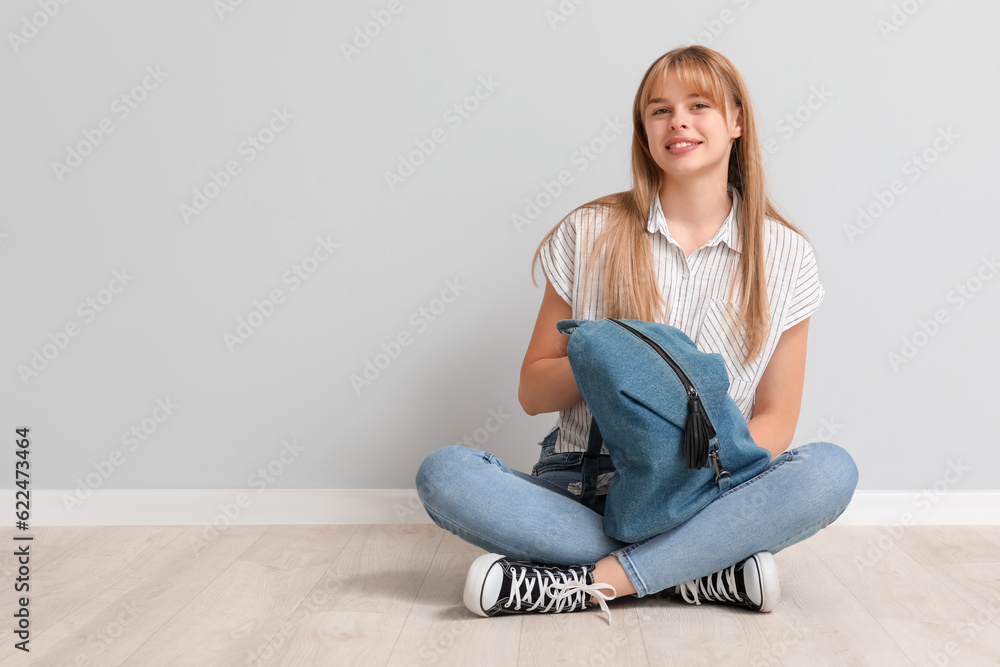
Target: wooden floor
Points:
(392, 595)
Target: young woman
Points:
(695, 244)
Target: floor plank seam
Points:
(277, 633)
(194, 597)
(892, 636)
(860, 602)
(642, 636)
(402, 626)
(41, 635)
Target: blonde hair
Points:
(630, 288)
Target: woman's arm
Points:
(547, 381)
(779, 394)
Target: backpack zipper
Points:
(698, 429)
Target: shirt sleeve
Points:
(558, 258)
(808, 291)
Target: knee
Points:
(836, 467)
(439, 469)
(840, 462)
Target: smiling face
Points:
(674, 113)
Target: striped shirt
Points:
(696, 289)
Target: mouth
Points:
(682, 147)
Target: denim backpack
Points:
(676, 437)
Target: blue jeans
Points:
(535, 517)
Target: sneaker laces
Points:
(567, 595)
(711, 590)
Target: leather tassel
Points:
(698, 431)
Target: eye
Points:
(697, 104)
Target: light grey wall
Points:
(886, 82)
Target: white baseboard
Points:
(180, 507)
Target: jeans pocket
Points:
(776, 462)
(552, 461)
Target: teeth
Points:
(683, 144)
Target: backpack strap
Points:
(591, 465)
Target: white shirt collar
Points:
(728, 233)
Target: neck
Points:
(695, 207)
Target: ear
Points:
(739, 123)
